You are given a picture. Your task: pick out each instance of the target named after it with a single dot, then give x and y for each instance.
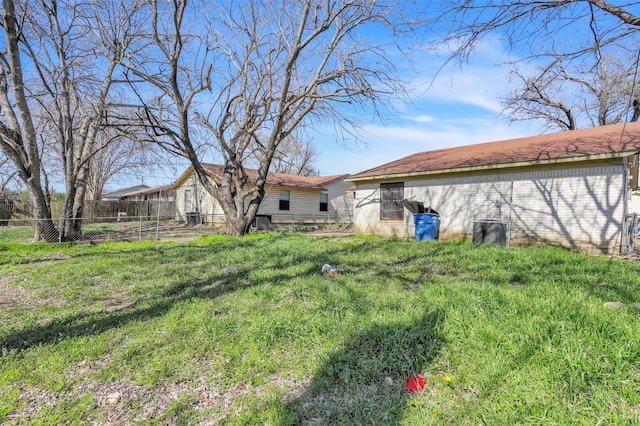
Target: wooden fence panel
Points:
(109, 209)
(7, 207)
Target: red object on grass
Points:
(415, 383)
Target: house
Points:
(157, 193)
(570, 188)
(134, 201)
(289, 199)
(119, 193)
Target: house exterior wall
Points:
(634, 203)
(340, 201)
(199, 201)
(304, 204)
(582, 205)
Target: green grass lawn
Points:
(248, 331)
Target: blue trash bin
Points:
(427, 226)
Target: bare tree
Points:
(118, 154)
(295, 156)
(243, 69)
(8, 172)
(566, 96)
(537, 27)
(19, 139)
(70, 79)
(583, 82)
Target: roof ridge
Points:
(601, 140)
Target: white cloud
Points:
(480, 83)
(385, 144)
(421, 118)
(461, 106)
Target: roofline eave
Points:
(590, 157)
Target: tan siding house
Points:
(570, 189)
(289, 199)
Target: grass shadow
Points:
(89, 323)
(363, 383)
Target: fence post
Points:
(60, 225)
(158, 221)
(140, 230)
(158, 228)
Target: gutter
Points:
(589, 157)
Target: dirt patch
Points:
(10, 295)
(117, 301)
(125, 402)
(58, 256)
(331, 233)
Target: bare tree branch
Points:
(249, 74)
(589, 94)
(536, 28)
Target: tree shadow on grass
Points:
(232, 278)
(90, 323)
(363, 383)
(229, 279)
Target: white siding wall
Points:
(304, 204)
(634, 203)
(340, 202)
(201, 200)
(572, 206)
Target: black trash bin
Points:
(490, 231)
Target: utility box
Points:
(490, 231)
(262, 222)
(193, 218)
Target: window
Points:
(187, 200)
(324, 202)
(391, 196)
(284, 200)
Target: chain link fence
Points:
(104, 229)
(135, 228)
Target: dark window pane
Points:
(324, 202)
(284, 199)
(391, 196)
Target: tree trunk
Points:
(44, 227)
(23, 144)
(237, 226)
(237, 221)
(74, 206)
(231, 194)
(636, 111)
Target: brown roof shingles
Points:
(617, 138)
(279, 179)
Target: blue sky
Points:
(461, 107)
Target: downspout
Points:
(624, 232)
(510, 214)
